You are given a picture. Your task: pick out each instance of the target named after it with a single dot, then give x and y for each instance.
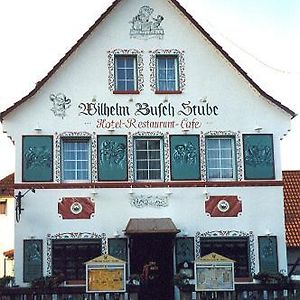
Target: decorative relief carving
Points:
(72, 236)
(141, 201)
(228, 233)
(60, 103)
(76, 208)
(223, 206)
(57, 158)
(166, 149)
(185, 154)
(238, 151)
(139, 67)
(258, 155)
(113, 153)
(181, 66)
(145, 26)
(38, 156)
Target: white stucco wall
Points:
(208, 74)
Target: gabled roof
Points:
(291, 189)
(7, 186)
(191, 19)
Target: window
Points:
(69, 256)
(125, 73)
(3, 205)
(220, 158)
(76, 159)
(148, 159)
(167, 73)
(233, 248)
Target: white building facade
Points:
(147, 142)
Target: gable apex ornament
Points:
(60, 103)
(144, 26)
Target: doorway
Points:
(151, 256)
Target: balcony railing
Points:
(243, 291)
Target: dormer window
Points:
(167, 73)
(125, 73)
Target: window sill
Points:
(74, 282)
(125, 92)
(168, 92)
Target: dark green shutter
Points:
(268, 259)
(37, 158)
(185, 161)
(112, 157)
(258, 156)
(117, 248)
(33, 260)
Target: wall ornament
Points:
(145, 26)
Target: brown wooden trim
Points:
(126, 184)
(126, 92)
(167, 92)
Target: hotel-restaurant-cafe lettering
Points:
(187, 110)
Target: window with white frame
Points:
(220, 158)
(125, 73)
(76, 161)
(3, 207)
(167, 73)
(148, 159)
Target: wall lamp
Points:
(19, 208)
(258, 128)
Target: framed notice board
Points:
(110, 279)
(105, 274)
(33, 260)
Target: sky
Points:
(263, 36)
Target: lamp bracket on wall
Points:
(19, 208)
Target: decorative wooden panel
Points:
(117, 247)
(184, 253)
(33, 260)
(37, 158)
(112, 157)
(268, 258)
(185, 157)
(258, 156)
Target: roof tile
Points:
(291, 190)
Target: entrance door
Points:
(151, 256)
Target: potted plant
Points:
(275, 278)
(183, 282)
(6, 281)
(48, 282)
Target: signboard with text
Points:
(105, 274)
(214, 273)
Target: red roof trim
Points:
(9, 254)
(191, 19)
(7, 186)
